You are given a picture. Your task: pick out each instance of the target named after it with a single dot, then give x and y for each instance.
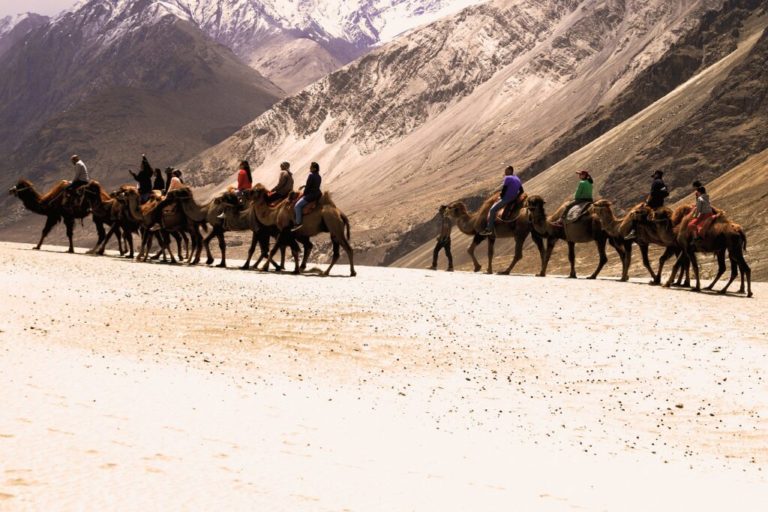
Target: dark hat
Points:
(582, 172)
(657, 174)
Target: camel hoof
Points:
(749, 295)
(352, 274)
(209, 262)
(592, 277)
(221, 265)
(477, 268)
(624, 279)
(36, 248)
(721, 292)
(244, 267)
(298, 272)
(71, 251)
(503, 273)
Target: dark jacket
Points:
(658, 193)
(159, 183)
(312, 188)
(144, 177)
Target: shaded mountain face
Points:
(110, 83)
(435, 115)
(14, 28)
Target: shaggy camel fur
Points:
(722, 234)
(325, 218)
(586, 229)
(473, 224)
(51, 206)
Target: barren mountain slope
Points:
(14, 28)
(434, 113)
(697, 107)
(110, 85)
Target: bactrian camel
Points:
(51, 205)
(584, 230)
(473, 224)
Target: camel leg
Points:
(207, 243)
(572, 259)
(251, 249)
(550, 247)
(741, 274)
(307, 247)
(646, 262)
(477, 240)
(122, 245)
(129, 241)
(746, 272)
(295, 254)
(603, 258)
(517, 257)
(113, 229)
(668, 253)
(179, 238)
(335, 256)
(491, 245)
(720, 269)
(70, 225)
(695, 266)
(223, 249)
(540, 246)
(49, 223)
(350, 256)
(627, 260)
(677, 267)
(280, 243)
(167, 245)
(100, 233)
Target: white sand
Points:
(143, 386)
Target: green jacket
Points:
(584, 192)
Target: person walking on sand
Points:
(443, 240)
(311, 194)
(511, 188)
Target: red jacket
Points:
(242, 180)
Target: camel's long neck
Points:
(134, 210)
(31, 200)
(612, 225)
(540, 223)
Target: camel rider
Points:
(175, 183)
(583, 195)
(655, 199)
(244, 178)
(284, 184)
(311, 193)
(145, 179)
(702, 214)
(159, 183)
(81, 177)
(510, 190)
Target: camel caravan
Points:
(161, 210)
(281, 218)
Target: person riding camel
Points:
(284, 184)
(443, 240)
(511, 188)
(583, 195)
(159, 183)
(81, 178)
(244, 178)
(655, 199)
(702, 215)
(144, 178)
(311, 194)
(176, 182)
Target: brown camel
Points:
(585, 229)
(51, 206)
(720, 235)
(144, 216)
(325, 218)
(237, 219)
(102, 207)
(651, 227)
(473, 224)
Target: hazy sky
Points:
(48, 7)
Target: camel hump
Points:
(326, 200)
(57, 189)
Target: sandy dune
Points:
(137, 386)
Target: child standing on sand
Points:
(443, 240)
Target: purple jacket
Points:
(511, 188)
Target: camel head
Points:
(602, 208)
(535, 203)
(455, 210)
(21, 186)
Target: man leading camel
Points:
(510, 190)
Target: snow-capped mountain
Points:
(291, 42)
(14, 28)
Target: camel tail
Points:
(743, 240)
(346, 225)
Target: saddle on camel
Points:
(511, 211)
